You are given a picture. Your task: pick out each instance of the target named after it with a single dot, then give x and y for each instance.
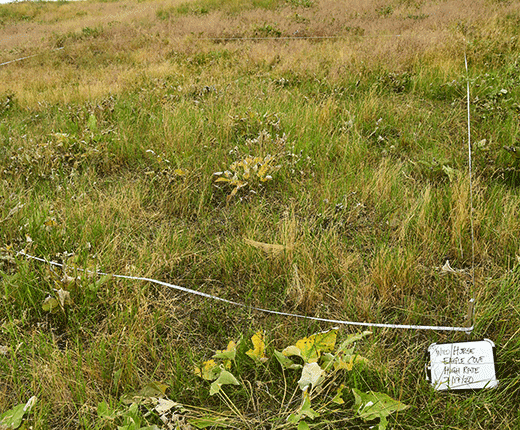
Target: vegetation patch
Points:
(322, 174)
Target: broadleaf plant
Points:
(320, 361)
(257, 353)
(13, 418)
(370, 406)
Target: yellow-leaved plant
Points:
(248, 172)
(319, 361)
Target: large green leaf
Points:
(12, 419)
(372, 405)
(92, 124)
(132, 420)
(50, 304)
(286, 362)
(105, 412)
(227, 354)
(312, 375)
(351, 338)
(152, 390)
(310, 348)
(225, 378)
(302, 425)
(304, 411)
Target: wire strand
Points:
(25, 58)
(269, 311)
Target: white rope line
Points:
(25, 58)
(244, 38)
(470, 169)
(269, 311)
(296, 37)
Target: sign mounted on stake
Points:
(462, 365)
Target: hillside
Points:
(307, 157)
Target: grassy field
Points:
(306, 156)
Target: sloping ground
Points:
(303, 156)
(132, 38)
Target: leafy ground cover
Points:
(325, 176)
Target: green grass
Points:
(370, 199)
(204, 7)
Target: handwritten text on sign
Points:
(462, 366)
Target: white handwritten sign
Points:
(462, 365)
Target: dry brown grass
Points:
(359, 233)
(135, 42)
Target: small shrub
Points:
(302, 3)
(396, 82)
(267, 30)
(250, 124)
(385, 11)
(250, 172)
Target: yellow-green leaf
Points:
(263, 170)
(239, 184)
(222, 179)
(310, 348)
(180, 172)
(50, 223)
(228, 198)
(50, 304)
(338, 398)
(374, 405)
(285, 362)
(347, 362)
(229, 353)
(351, 338)
(225, 378)
(345, 357)
(257, 353)
(153, 389)
(209, 371)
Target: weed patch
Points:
(325, 177)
